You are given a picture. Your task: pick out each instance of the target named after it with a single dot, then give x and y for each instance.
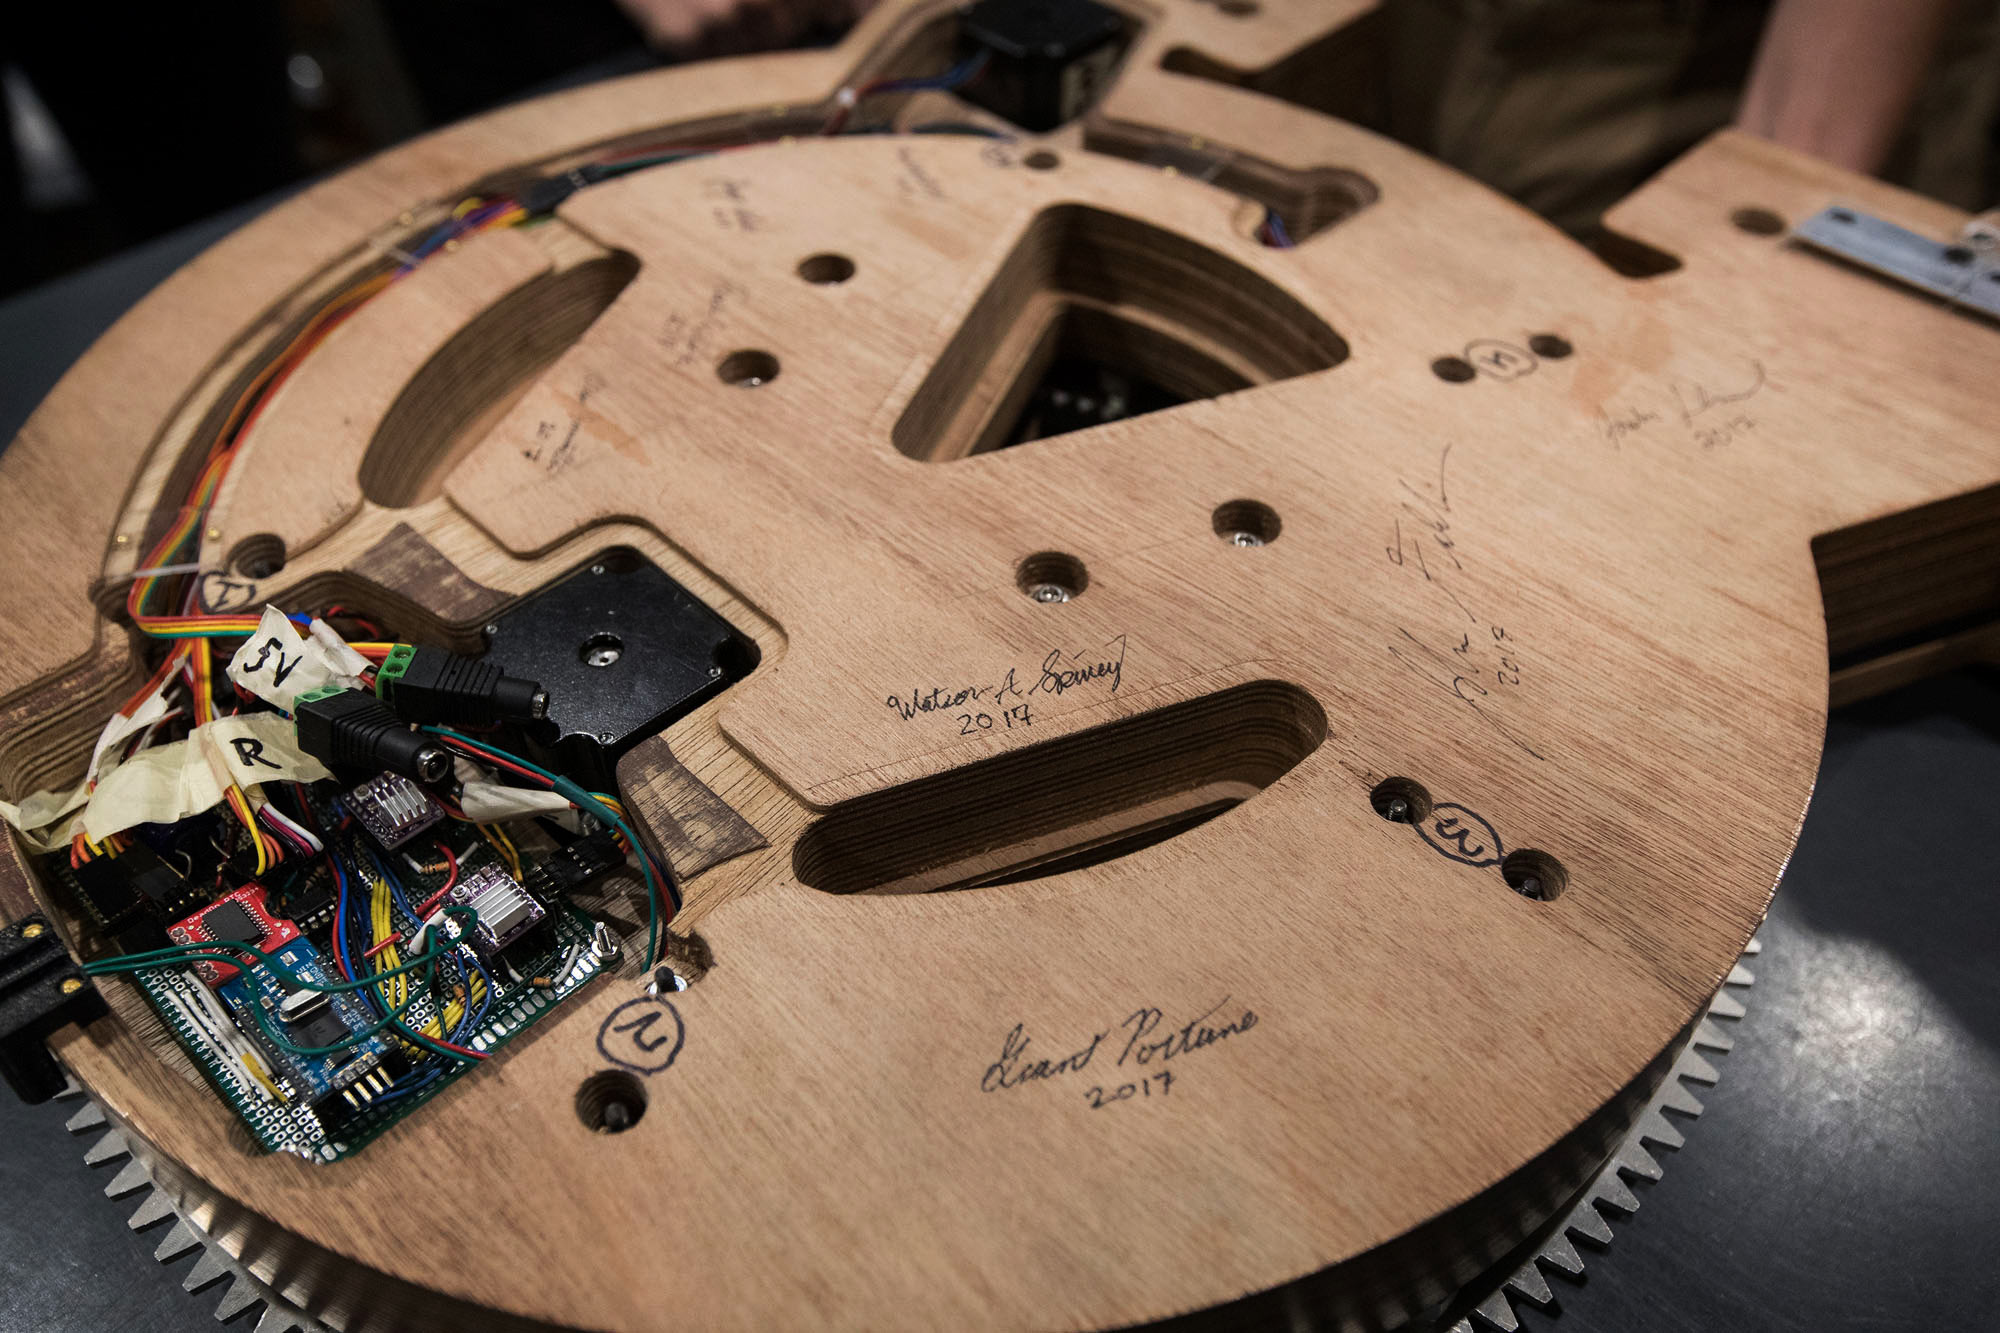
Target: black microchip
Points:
(310, 905)
(322, 1027)
(229, 921)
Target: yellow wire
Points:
(503, 845)
(256, 1071)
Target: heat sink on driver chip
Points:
(393, 809)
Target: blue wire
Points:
(964, 72)
(472, 1023)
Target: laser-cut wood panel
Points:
(1574, 596)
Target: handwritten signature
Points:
(1058, 674)
(1137, 1038)
(1692, 404)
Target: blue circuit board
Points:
(312, 1078)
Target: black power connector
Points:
(347, 729)
(447, 690)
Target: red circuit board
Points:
(273, 932)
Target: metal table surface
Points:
(1845, 1176)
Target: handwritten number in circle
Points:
(643, 1035)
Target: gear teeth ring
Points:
(134, 1182)
(1609, 1192)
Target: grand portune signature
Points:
(1144, 1046)
(1006, 703)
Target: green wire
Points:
(583, 800)
(182, 955)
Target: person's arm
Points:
(1835, 78)
(728, 27)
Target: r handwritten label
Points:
(1126, 1061)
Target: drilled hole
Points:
(748, 369)
(1453, 369)
(1762, 221)
(601, 650)
(1400, 800)
(1550, 346)
(1246, 523)
(1534, 874)
(1051, 576)
(826, 269)
(1958, 254)
(1042, 160)
(258, 557)
(611, 1102)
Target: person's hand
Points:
(730, 27)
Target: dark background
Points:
(1845, 1174)
(170, 113)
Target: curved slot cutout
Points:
(1096, 300)
(464, 390)
(1080, 800)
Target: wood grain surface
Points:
(1575, 600)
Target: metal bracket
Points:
(1964, 275)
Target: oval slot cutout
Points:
(1079, 800)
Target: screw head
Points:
(32, 931)
(492, 630)
(1049, 592)
(1397, 810)
(71, 985)
(597, 569)
(602, 656)
(122, 539)
(1245, 539)
(215, 534)
(606, 738)
(715, 673)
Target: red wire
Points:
(495, 759)
(450, 1046)
(393, 939)
(424, 912)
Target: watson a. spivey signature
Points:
(1007, 699)
(1125, 1060)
